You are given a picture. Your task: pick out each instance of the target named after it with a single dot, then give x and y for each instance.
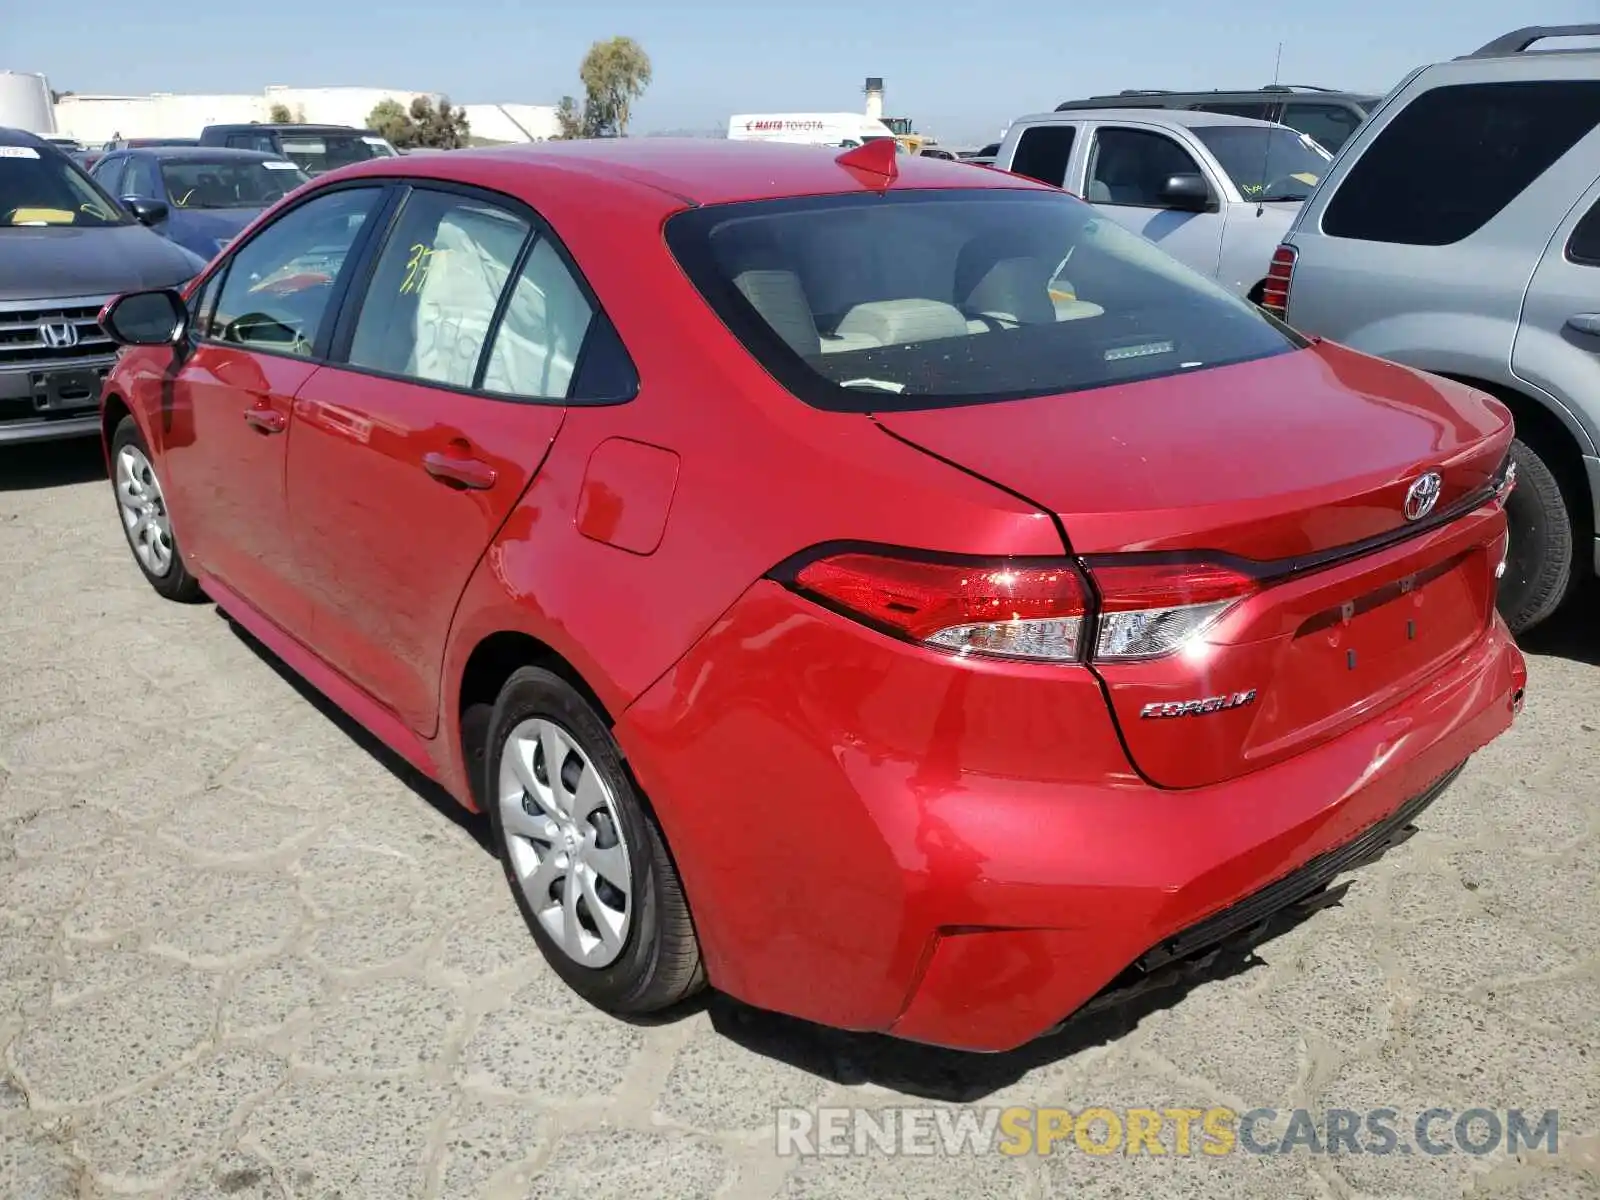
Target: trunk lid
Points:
(1299, 464)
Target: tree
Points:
(279, 114)
(570, 119)
(615, 73)
(443, 127)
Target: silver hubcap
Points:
(565, 843)
(144, 512)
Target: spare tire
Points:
(1539, 563)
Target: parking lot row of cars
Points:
(850, 579)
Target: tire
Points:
(653, 961)
(142, 512)
(1539, 563)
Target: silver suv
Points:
(1215, 192)
(1459, 232)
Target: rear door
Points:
(1126, 169)
(411, 453)
(1558, 342)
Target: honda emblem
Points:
(58, 335)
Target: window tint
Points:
(427, 312)
(918, 299)
(140, 179)
(1257, 109)
(1329, 125)
(278, 284)
(1584, 244)
(1043, 152)
(1131, 166)
(1454, 157)
(536, 347)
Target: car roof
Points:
(21, 137)
(694, 170)
(1283, 92)
(202, 153)
(272, 127)
(1187, 118)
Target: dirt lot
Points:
(243, 953)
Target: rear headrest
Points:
(1017, 286)
(895, 322)
(782, 303)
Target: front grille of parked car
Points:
(26, 343)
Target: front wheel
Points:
(1539, 562)
(585, 859)
(143, 508)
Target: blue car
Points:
(200, 197)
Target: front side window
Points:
(427, 312)
(1266, 162)
(45, 187)
(1452, 159)
(108, 173)
(140, 179)
(921, 299)
(1132, 166)
(229, 183)
(278, 285)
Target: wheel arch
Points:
(1549, 435)
(113, 408)
(492, 660)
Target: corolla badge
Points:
(1200, 707)
(1422, 495)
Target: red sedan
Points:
(888, 592)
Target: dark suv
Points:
(316, 149)
(66, 248)
(1328, 116)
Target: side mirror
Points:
(1186, 193)
(146, 212)
(158, 318)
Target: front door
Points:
(406, 460)
(1558, 342)
(229, 428)
(1126, 172)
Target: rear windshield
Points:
(231, 183)
(319, 152)
(920, 299)
(1266, 163)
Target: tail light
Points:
(1275, 288)
(1035, 609)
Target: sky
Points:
(961, 70)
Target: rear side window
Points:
(1454, 157)
(1583, 247)
(1329, 125)
(1256, 109)
(922, 299)
(1043, 152)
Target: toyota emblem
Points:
(1422, 495)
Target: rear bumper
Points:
(858, 853)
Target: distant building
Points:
(94, 119)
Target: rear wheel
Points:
(1539, 564)
(143, 508)
(585, 860)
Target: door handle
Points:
(1585, 323)
(267, 420)
(461, 472)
